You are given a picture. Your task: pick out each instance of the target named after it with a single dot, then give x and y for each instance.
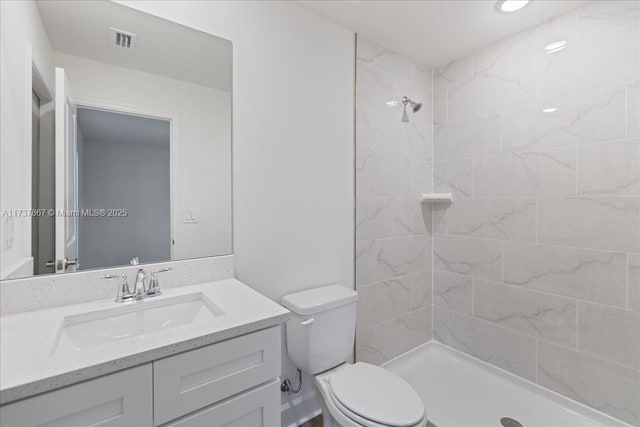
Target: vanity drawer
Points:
(189, 381)
(120, 399)
(259, 407)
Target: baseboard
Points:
(299, 410)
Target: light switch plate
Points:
(191, 216)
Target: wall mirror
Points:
(115, 139)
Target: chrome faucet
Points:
(124, 294)
(140, 285)
(140, 289)
(154, 285)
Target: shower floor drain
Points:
(509, 422)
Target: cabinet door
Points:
(259, 407)
(120, 399)
(193, 380)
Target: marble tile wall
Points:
(393, 229)
(536, 261)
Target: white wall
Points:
(293, 146)
(204, 130)
(21, 35)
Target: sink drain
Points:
(509, 422)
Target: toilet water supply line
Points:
(286, 384)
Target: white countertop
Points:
(28, 365)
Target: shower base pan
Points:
(461, 391)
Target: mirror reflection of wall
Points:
(130, 114)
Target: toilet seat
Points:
(362, 393)
(353, 416)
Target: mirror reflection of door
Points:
(66, 173)
(37, 226)
(43, 170)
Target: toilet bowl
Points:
(320, 338)
(367, 395)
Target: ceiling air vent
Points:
(123, 39)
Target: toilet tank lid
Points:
(319, 299)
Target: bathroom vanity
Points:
(206, 354)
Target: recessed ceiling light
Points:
(550, 110)
(510, 5)
(555, 46)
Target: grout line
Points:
(626, 111)
(556, 344)
(540, 150)
(577, 325)
(577, 170)
(448, 326)
(539, 291)
(530, 243)
(536, 358)
(508, 330)
(403, 237)
(355, 174)
(537, 101)
(473, 180)
(473, 297)
(502, 262)
(628, 280)
(501, 113)
(537, 220)
(587, 196)
(446, 106)
(433, 168)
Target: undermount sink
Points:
(137, 319)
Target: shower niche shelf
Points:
(436, 197)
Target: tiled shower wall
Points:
(393, 165)
(536, 261)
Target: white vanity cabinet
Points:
(257, 407)
(230, 383)
(192, 380)
(120, 399)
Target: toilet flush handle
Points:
(308, 321)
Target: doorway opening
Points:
(124, 168)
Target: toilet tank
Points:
(321, 331)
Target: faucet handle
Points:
(123, 287)
(154, 285)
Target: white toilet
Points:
(320, 338)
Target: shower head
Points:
(415, 107)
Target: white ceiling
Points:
(81, 28)
(435, 32)
(105, 126)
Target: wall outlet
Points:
(191, 216)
